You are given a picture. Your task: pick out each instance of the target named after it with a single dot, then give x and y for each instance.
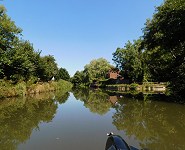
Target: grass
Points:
(8, 89)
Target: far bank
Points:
(8, 89)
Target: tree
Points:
(77, 78)
(9, 34)
(97, 69)
(62, 74)
(164, 41)
(129, 60)
(47, 68)
(23, 62)
(18, 60)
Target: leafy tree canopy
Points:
(77, 79)
(19, 61)
(129, 60)
(9, 33)
(97, 69)
(164, 41)
(62, 74)
(47, 68)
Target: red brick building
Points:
(116, 78)
(113, 74)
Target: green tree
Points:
(23, 62)
(18, 60)
(97, 69)
(129, 60)
(47, 68)
(9, 36)
(77, 79)
(164, 41)
(62, 74)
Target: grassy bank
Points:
(7, 89)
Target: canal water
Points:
(81, 119)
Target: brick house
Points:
(114, 74)
(116, 78)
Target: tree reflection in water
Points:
(157, 125)
(18, 117)
(154, 124)
(96, 100)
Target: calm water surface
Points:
(81, 119)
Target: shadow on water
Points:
(20, 116)
(155, 123)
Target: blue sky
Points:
(77, 31)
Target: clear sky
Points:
(77, 31)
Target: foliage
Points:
(97, 69)
(129, 61)
(19, 61)
(62, 74)
(164, 41)
(24, 61)
(9, 89)
(47, 68)
(63, 85)
(78, 77)
(9, 33)
(49, 86)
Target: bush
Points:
(7, 89)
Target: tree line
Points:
(18, 59)
(157, 56)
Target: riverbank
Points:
(149, 87)
(7, 89)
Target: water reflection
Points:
(95, 100)
(151, 123)
(155, 124)
(61, 97)
(18, 117)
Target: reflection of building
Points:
(113, 99)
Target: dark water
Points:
(80, 120)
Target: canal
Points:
(81, 119)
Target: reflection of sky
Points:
(74, 127)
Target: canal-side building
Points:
(116, 78)
(113, 74)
